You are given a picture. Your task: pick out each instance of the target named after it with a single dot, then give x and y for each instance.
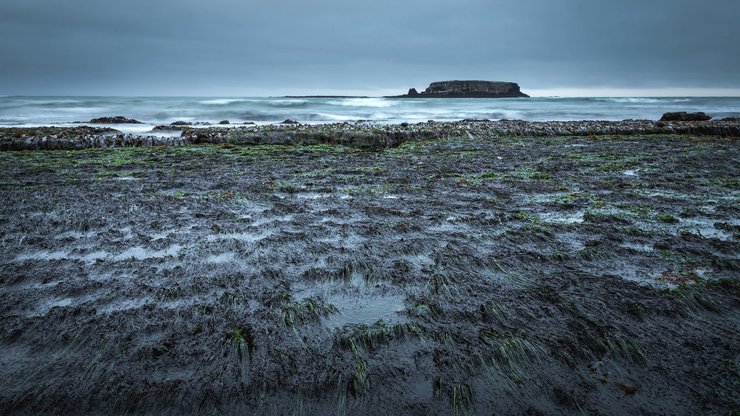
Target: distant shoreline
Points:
(327, 96)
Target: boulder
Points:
(224, 122)
(684, 116)
(289, 121)
(181, 123)
(114, 120)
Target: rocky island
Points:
(467, 89)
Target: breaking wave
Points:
(151, 111)
(223, 101)
(363, 102)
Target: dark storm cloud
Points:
(260, 46)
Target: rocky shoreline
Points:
(360, 134)
(478, 275)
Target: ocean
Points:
(64, 111)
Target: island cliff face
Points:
(467, 89)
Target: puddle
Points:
(123, 305)
(645, 248)
(42, 285)
(246, 237)
(341, 221)
(701, 272)
(269, 220)
(159, 236)
(141, 253)
(44, 307)
(127, 234)
(365, 310)
(314, 195)
(630, 172)
(550, 197)
(418, 260)
(63, 255)
(345, 241)
(572, 240)
(254, 207)
(43, 255)
(644, 276)
(669, 195)
(705, 228)
(357, 301)
(94, 256)
(562, 217)
(450, 225)
(74, 234)
(220, 258)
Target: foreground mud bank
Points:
(470, 274)
(358, 135)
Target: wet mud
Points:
(456, 275)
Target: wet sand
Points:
(465, 273)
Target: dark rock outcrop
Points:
(684, 116)
(168, 127)
(224, 122)
(467, 89)
(114, 120)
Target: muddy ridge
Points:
(360, 135)
(466, 273)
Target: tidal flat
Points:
(460, 274)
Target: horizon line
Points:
(558, 92)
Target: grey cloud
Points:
(260, 46)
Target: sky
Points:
(372, 47)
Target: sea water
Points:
(64, 111)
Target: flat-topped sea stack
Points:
(467, 89)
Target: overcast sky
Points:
(273, 47)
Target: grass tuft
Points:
(461, 396)
(443, 285)
(309, 310)
(626, 349)
(666, 218)
(366, 338)
(509, 360)
(360, 382)
(691, 299)
(242, 342)
(494, 310)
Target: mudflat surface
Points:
(563, 275)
